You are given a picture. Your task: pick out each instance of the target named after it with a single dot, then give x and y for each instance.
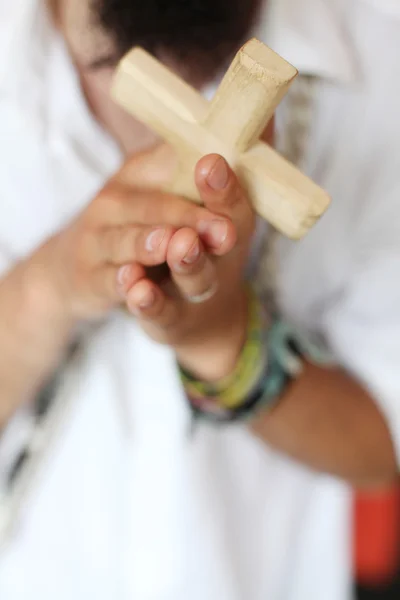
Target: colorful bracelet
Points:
(227, 394)
(272, 356)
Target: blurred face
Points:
(87, 44)
(196, 38)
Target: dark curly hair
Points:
(202, 33)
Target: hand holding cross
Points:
(230, 125)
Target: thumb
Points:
(221, 191)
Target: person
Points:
(109, 489)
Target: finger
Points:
(192, 269)
(221, 192)
(112, 284)
(219, 236)
(128, 276)
(146, 245)
(122, 206)
(152, 170)
(119, 205)
(147, 301)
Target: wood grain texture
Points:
(230, 125)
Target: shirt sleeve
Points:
(362, 320)
(363, 324)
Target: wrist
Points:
(239, 394)
(41, 292)
(216, 351)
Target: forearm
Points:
(34, 332)
(324, 420)
(328, 422)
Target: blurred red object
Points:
(377, 536)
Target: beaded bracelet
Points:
(271, 357)
(237, 395)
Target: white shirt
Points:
(123, 505)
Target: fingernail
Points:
(219, 175)
(147, 299)
(218, 232)
(123, 275)
(193, 254)
(154, 240)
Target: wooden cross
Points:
(230, 125)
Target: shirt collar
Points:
(311, 34)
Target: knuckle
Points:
(85, 248)
(114, 200)
(120, 244)
(158, 312)
(111, 202)
(109, 242)
(125, 243)
(151, 207)
(163, 315)
(190, 214)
